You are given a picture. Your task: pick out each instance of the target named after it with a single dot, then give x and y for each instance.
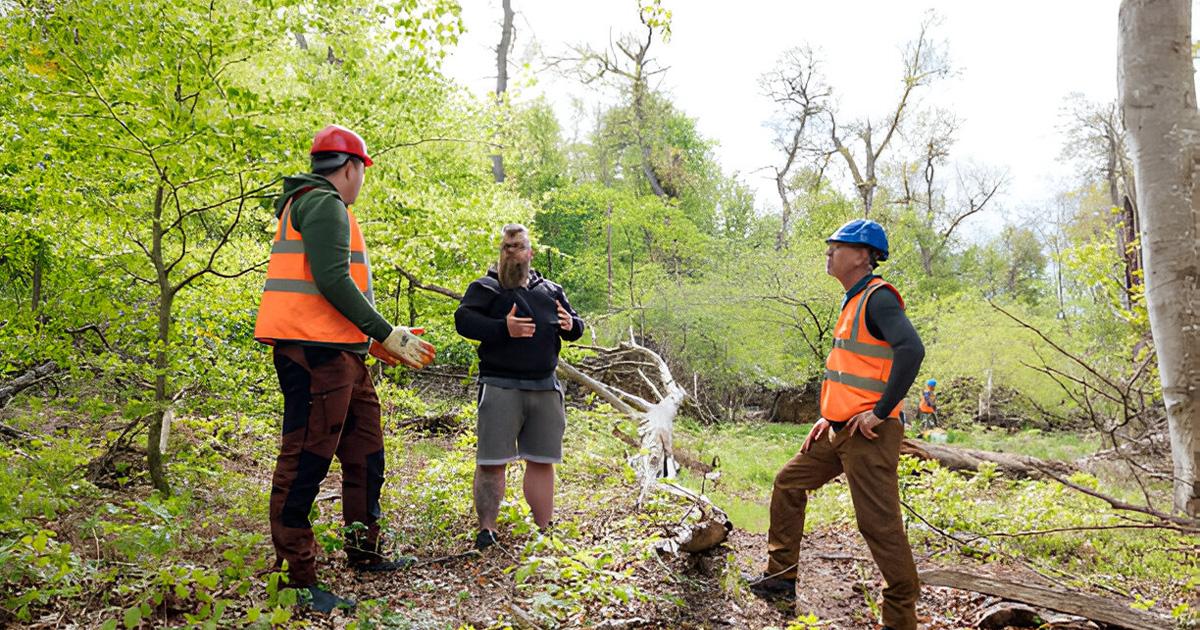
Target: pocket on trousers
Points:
(328, 414)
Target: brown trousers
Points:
(870, 467)
(329, 409)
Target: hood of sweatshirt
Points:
(296, 183)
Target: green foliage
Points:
(561, 579)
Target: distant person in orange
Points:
(927, 411)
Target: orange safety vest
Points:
(292, 307)
(859, 365)
(926, 405)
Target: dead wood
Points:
(965, 459)
(27, 379)
(1054, 598)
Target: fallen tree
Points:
(27, 379)
(1060, 599)
(965, 459)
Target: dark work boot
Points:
(484, 539)
(323, 601)
(774, 589)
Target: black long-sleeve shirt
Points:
(886, 320)
(481, 316)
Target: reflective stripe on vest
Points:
(859, 365)
(292, 307)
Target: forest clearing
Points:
(608, 363)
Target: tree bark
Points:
(154, 458)
(30, 378)
(506, 33)
(954, 458)
(1071, 602)
(1158, 101)
(608, 251)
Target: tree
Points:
(800, 94)
(502, 51)
(1097, 139)
(1158, 101)
(924, 61)
(161, 138)
(634, 67)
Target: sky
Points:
(1015, 64)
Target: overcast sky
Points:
(1016, 63)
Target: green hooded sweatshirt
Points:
(321, 217)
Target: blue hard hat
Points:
(931, 382)
(862, 232)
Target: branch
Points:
(454, 295)
(390, 148)
(1188, 524)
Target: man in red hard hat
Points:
(318, 312)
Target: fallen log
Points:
(1059, 599)
(968, 459)
(31, 377)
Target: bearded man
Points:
(519, 319)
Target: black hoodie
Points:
(481, 316)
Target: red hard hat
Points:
(342, 140)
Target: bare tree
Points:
(629, 59)
(801, 97)
(940, 214)
(924, 61)
(1158, 102)
(1097, 138)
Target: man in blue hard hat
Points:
(874, 360)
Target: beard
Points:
(512, 273)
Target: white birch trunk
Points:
(1158, 101)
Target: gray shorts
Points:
(519, 424)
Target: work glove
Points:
(403, 346)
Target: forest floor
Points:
(115, 554)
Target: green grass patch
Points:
(1032, 442)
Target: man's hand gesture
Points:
(565, 321)
(519, 326)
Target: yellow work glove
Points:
(403, 346)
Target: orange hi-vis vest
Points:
(292, 308)
(859, 365)
(926, 405)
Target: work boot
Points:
(774, 589)
(323, 601)
(383, 566)
(484, 539)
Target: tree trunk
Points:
(31, 377)
(608, 251)
(154, 458)
(502, 79)
(1158, 101)
(965, 459)
(36, 300)
(1071, 602)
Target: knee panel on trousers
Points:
(303, 491)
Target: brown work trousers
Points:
(329, 409)
(870, 467)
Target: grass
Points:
(1156, 568)
(751, 454)
(1031, 442)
